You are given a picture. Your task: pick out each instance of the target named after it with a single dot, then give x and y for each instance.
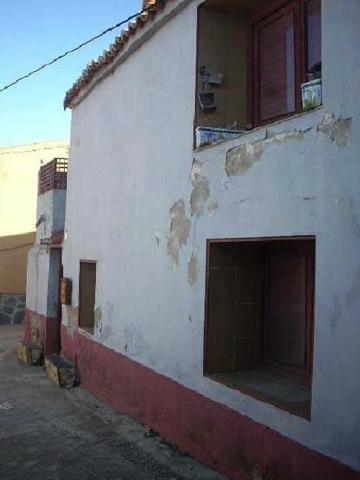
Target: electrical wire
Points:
(68, 52)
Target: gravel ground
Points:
(52, 434)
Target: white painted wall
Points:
(51, 208)
(44, 262)
(131, 160)
(38, 279)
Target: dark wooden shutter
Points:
(277, 53)
(289, 302)
(234, 307)
(87, 286)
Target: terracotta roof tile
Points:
(93, 67)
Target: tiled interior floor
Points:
(272, 385)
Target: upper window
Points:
(255, 62)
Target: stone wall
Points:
(12, 309)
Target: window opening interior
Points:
(259, 318)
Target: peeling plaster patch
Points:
(179, 230)
(212, 207)
(193, 270)
(296, 135)
(97, 318)
(199, 195)
(195, 171)
(73, 313)
(240, 159)
(201, 191)
(337, 130)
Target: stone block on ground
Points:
(29, 353)
(60, 371)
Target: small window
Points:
(259, 318)
(87, 285)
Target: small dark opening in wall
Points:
(259, 318)
(87, 285)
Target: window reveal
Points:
(259, 318)
(272, 48)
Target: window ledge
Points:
(87, 332)
(300, 121)
(281, 391)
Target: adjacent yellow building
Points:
(19, 166)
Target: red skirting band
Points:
(231, 443)
(42, 330)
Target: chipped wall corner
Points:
(338, 130)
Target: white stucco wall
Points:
(51, 211)
(131, 161)
(37, 279)
(42, 286)
(43, 261)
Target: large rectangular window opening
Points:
(257, 61)
(87, 285)
(259, 318)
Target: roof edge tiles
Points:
(150, 9)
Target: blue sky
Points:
(32, 33)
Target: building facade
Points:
(44, 265)
(212, 233)
(19, 167)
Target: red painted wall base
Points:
(44, 331)
(230, 442)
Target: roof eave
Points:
(129, 41)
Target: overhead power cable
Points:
(68, 52)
